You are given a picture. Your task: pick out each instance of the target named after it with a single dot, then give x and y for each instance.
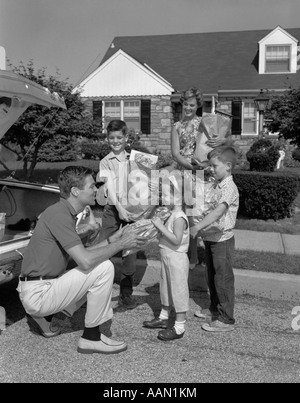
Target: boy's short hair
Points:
(224, 154)
(117, 125)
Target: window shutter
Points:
(97, 110)
(236, 111)
(146, 116)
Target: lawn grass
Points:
(244, 260)
(250, 260)
(46, 172)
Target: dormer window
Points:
(278, 59)
(278, 53)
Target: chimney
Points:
(2, 58)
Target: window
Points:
(136, 113)
(249, 118)
(112, 110)
(278, 59)
(132, 114)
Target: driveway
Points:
(264, 347)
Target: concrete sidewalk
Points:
(267, 242)
(275, 286)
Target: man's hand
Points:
(116, 236)
(131, 240)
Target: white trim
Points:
(278, 28)
(150, 72)
(158, 75)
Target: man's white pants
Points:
(46, 297)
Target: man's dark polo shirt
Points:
(54, 234)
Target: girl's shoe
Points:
(169, 334)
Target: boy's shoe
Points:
(218, 326)
(169, 334)
(206, 314)
(127, 302)
(156, 323)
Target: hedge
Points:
(263, 156)
(266, 195)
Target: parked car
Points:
(20, 202)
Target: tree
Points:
(285, 115)
(39, 124)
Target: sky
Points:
(73, 35)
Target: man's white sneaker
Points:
(104, 346)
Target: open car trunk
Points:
(22, 202)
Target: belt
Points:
(37, 278)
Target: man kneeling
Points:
(45, 287)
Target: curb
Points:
(274, 286)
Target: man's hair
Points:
(116, 126)
(191, 93)
(224, 154)
(72, 176)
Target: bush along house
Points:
(140, 79)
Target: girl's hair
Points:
(117, 126)
(191, 93)
(72, 176)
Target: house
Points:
(140, 78)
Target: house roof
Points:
(211, 61)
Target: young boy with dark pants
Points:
(219, 245)
(112, 169)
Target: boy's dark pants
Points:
(110, 224)
(220, 278)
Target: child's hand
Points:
(153, 186)
(194, 231)
(197, 165)
(157, 222)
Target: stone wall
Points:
(159, 140)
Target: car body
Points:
(22, 202)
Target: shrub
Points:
(61, 148)
(137, 147)
(296, 154)
(133, 142)
(263, 156)
(92, 150)
(267, 195)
